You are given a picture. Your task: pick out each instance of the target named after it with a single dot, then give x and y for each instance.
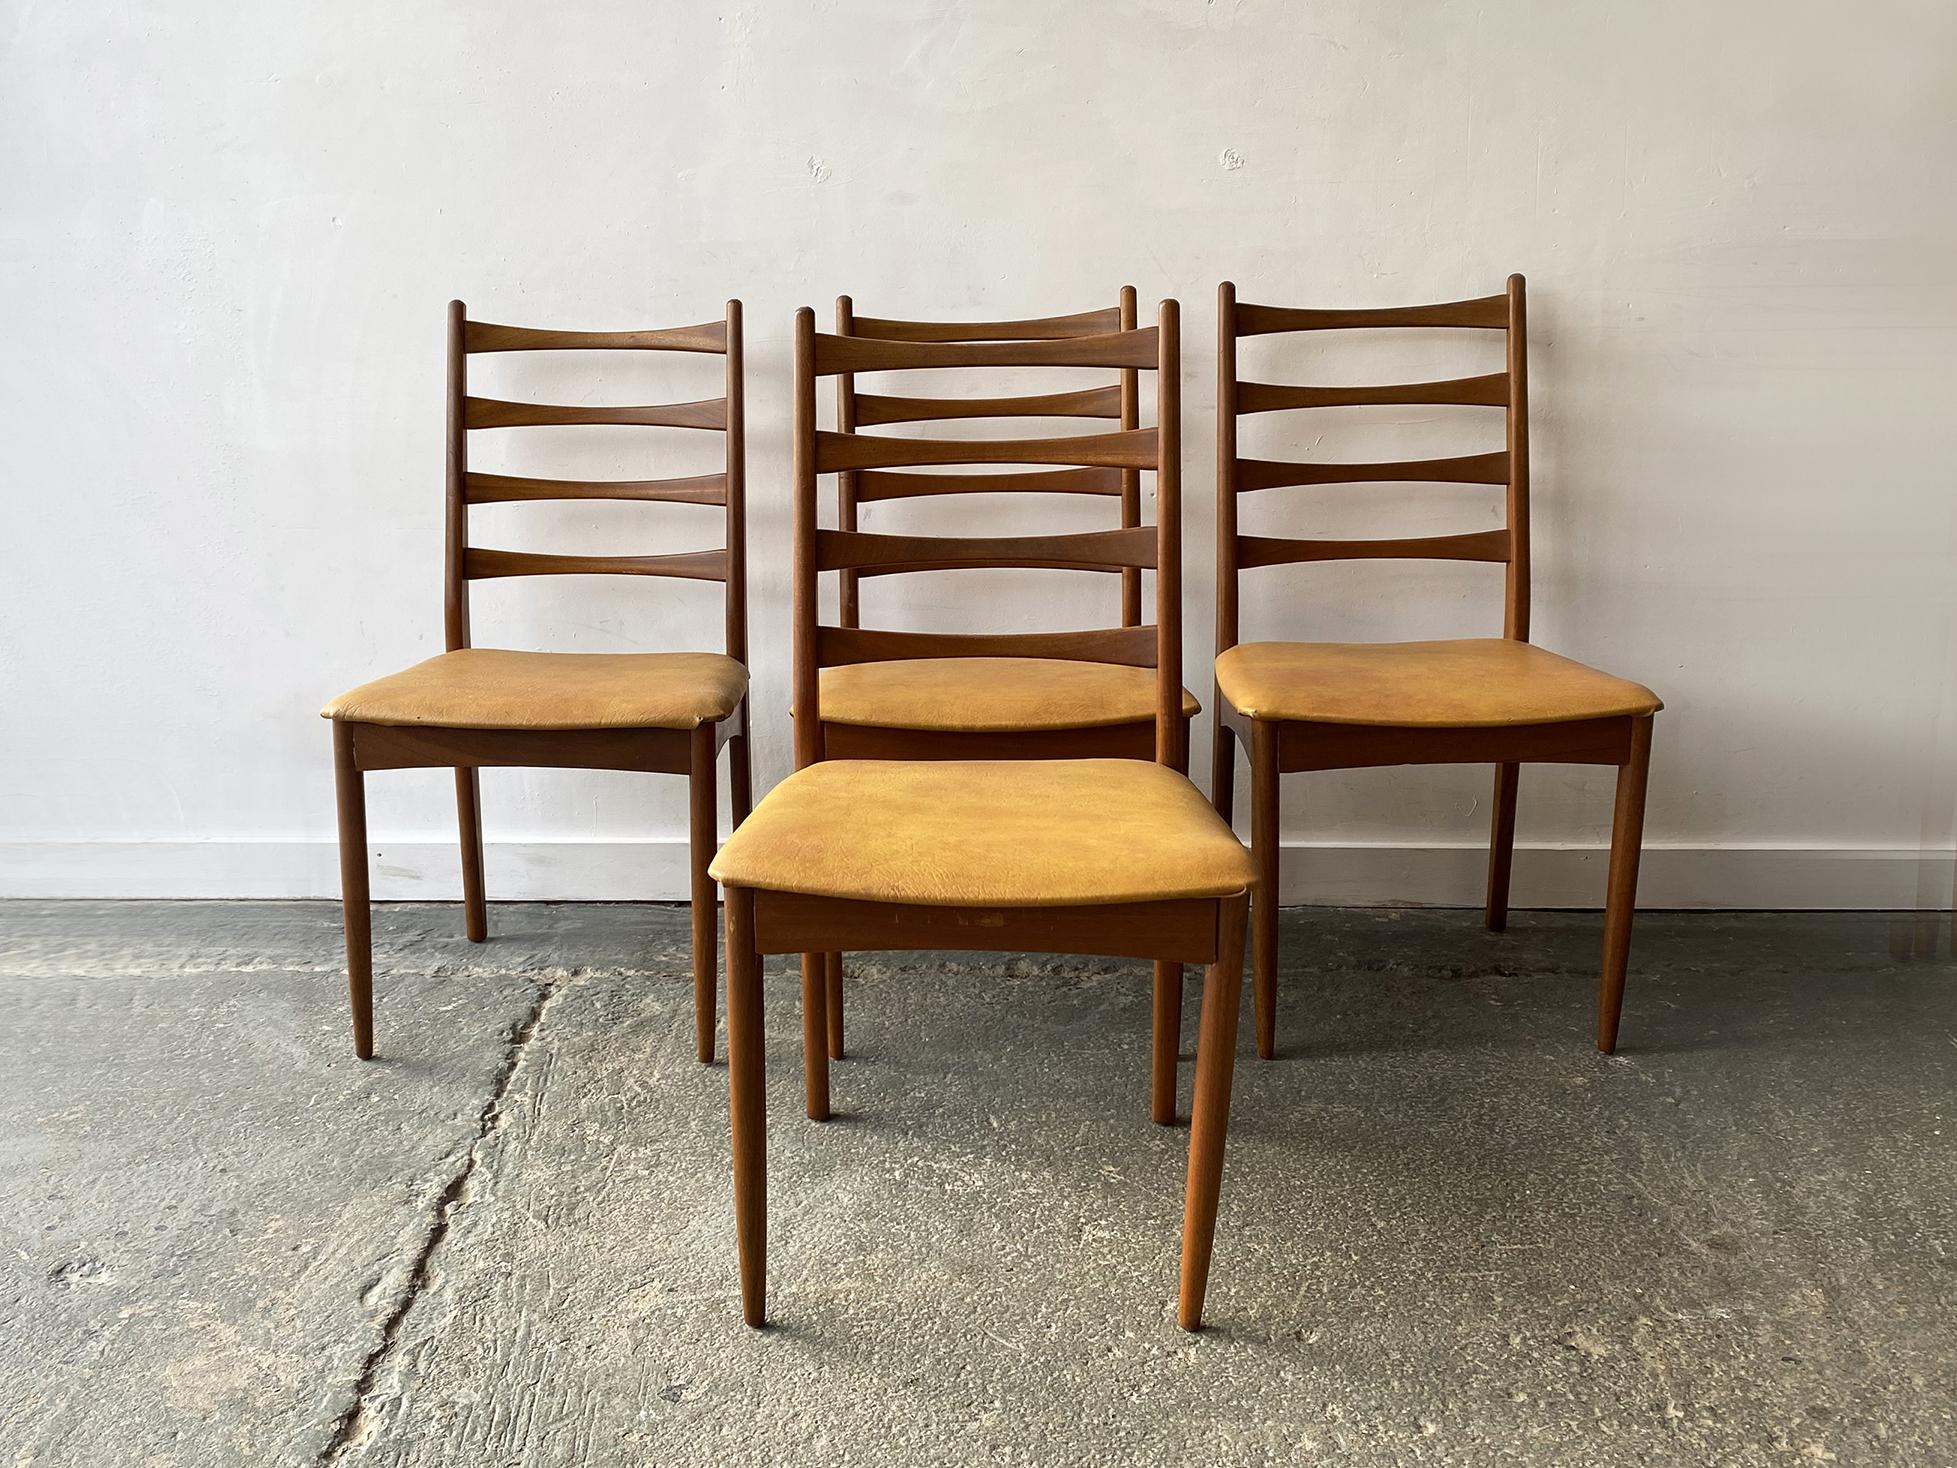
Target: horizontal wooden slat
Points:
(1133, 449)
(1131, 646)
(840, 550)
(1094, 402)
(494, 413)
(1491, 312)
(835, 354)
(1045, 328)
(710, 565)
(1268, 550)
(1491, 391)
(883, 484)
(701, 489)
(1467, 469)
(483, 336)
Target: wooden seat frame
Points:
(360, 747)
(1199, 930)
(1280, 747)
(1119, 401)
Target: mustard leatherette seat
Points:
(1468, 683)
(990, 695)
(984, 833)
(489, 688)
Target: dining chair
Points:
(470, 708)
(1299, 706)
(1108, 856)
(998, 706)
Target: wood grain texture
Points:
(484, 336)
(835, 354)
(885, 484)
(1253, 474)
(1489, 312)
(1133, 647)
(1094, 402)
(1106, 549)
(1078, 324)
(697, 489)
(1131, 449)
(484, 564)
(1490, 391)
(709, 413)
(1271, 550)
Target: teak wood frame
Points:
(1206, 930)
(1119, 401)
(360, 747)
(1286, 747)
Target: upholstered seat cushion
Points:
(990, 695)
(987, 833)
(489, 688)
(1465, 684)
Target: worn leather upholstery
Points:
(987, 833)
(489, 688)
(1470, 683)
(990, 695)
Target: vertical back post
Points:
(455, 531)
(851, 606)
(736, 487)
(1131, 479)
(1515, 611)
(808, 714)
(1168, 537)
(1226, 467)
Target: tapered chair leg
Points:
(468, 813)
(747, 1105)
(832, 968)
(1501, 846)
(1166, 1043)
(1626, 846)
(357, 913)
(815, 1034)
(1216, 1063)
(740, 773)
(1264, 905)
(1223, 770)
(700, 855)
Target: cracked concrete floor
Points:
(1451, 1233)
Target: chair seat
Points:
(489, 688)
(987, 833)
(990, 695)
(1471, 683)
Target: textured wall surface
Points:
(228, 234)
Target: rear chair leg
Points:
(815, 1035)
(1501, 846)
(1166, 1043)
(832, 968)
(700, 855)
(1264, 905)
(1216, 1061)
(468, 814)
(1223, 770)
(1626, 845)
(351, 787)
(747, 1104)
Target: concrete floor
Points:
(1451, 1232)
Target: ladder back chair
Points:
(1111, 856)
(1299, 706)
(997, 705)
(471, 707)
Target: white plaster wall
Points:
(227, 234)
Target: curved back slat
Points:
(1508, 466)
(725, 414)
(1096, 463)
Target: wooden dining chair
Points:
(470, 707)
(1299, 706)
(997, 706)
(1110, 856)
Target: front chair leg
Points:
(1264, 905)
(1501, 846)
(1216, 1061)
(351, 787)
(1626, 845)
(815, 1034)
(468, 814)
(1165, 1043)
(700, 855)
(747, 1104)
(832, 970)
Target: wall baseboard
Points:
(1803, 877)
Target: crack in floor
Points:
(358, 1425)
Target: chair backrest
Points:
(464, 563)
(1119, 401)
(1067, 461)
(1508, 390)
